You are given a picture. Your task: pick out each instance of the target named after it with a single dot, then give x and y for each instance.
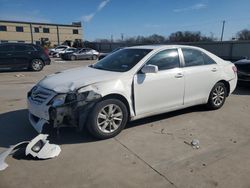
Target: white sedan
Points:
(132, 83)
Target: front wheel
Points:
(36, 65)
(217, 96)
(94, 57)
(73, 58)
(107, 118)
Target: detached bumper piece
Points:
(38, 147)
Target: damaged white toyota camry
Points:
(129, 84)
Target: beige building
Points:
(31, 32)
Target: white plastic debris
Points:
(195, 144)
(38, 147)
(41, 148)
(5, 154)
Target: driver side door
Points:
(158, 92)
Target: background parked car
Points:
(84, 53)
(58, 49)
(243, 67)
(67, 50)
(20, 56)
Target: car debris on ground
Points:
(194, 143)
(38, 147)
(5, 154)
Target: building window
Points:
(46, 30)
(36, 29)
(75, 31)
(19, 29)
(3, 28)
(21, 41)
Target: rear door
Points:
(201, 74)
(6, 56)
(23, 55)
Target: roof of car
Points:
(154, 47)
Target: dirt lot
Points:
(148, 153)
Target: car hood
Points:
(70, 80)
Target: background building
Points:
(38, 33)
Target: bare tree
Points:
(188, 36)
(243, 34)
(152, 39)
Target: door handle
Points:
(214, 69)
(9, 54)
(179, 75)
(29, 52)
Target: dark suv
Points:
(21, 55)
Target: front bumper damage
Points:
(69, 114)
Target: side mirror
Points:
(149, 69)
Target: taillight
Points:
(234, 69)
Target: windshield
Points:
(121, 60)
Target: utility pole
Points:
(122, 36)
(31, 32)
(111, 38)
(222, 32)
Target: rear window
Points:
(194, 57)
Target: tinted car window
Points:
(82, 51)
(21, 48)
(193, 57)
(122, 60)
(6, 48)
(166, 59)
(208, 60)
(61, 48)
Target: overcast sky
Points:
(103, 18)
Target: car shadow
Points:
(15, 128)
(155, 118)
(242, 89)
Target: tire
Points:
(217, 96)
(36, 65)
(94, 57)
(73, 58)
(103, 123)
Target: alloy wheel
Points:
(109, 118)
(37, 65)
(218, 95)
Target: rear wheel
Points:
(36, 65)
(73, 58)
(107, 118)
(94, 57)
(217, 96)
